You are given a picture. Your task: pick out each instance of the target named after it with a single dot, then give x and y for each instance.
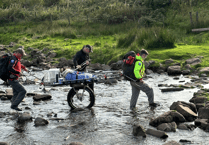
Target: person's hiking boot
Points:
(16, 108)
(154, 104)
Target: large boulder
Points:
(168, 117)
(188, 110)
(174, 70)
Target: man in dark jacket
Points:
(81, 59)
(14, 69)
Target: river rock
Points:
(205, 70)
(174, 70)
(138, 130)
(167, 127)
(186, 126)
(24, 117)
(157, 133)
(39, 97)
(40, 121)
(202, 123)
(188, 110)
(171, 89)
(168, 117)
(2, 114)
(196, 100)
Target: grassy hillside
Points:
(113, 27)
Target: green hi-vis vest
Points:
(139, 68)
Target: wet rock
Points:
(4, 98)
(203, 75)
(110, 81)
(138, 130)
(39, 97)
(203, 113)
(76, 143)
(202, 123)
(117, 65)
(149, 71)
(168, 117)
(171, 89)
(31, 94)
(36, 103)
(56, 118)
(186, 72)
(199, 105)
(162, 85)
(105, 67)
(196, 100)
(27, 108)
(40, 121)
(4, 143)
(95, 66)
(185, 141)
(24, 117)
(9, 93)
(188, 110)
(174, 70)
(172, 143)
(186, 126)
(2, 95)
(157, 133)
(2, 114)
(167, 127)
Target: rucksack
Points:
(4, 62)
(129, 60)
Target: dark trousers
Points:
(18, 92)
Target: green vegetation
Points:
(113, 27)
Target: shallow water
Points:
(109, 122)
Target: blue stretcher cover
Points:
(79, 76)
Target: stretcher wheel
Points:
(84, 98)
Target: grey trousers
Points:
(136, 87)
(18, 92)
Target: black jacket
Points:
(79, 58)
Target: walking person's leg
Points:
(135, 95)
(146, 89)
(21, 94)
(15, 92)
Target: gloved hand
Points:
(78, 67)
(87, 62)
(26, 70)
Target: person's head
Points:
(144, 53)
(20, 52)
(87, 49)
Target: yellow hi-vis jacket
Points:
(139, 68)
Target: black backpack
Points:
(128, 66)
(4, 62)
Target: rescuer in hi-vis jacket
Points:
(138, 84)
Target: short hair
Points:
(89, 47)
(143, 51)
(21, 51)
